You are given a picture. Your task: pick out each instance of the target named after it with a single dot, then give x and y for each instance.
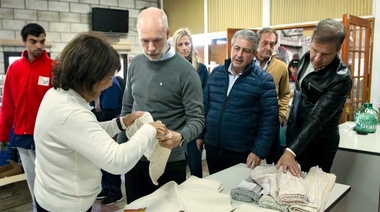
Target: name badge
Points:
(44, 81)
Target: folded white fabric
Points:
(267, 201)
(319, 185)
(201, 183)
(166, 198)
(199, 194)
(194, 194)
(156, 154)
(291, 189)
(259, 173)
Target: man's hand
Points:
(170, 140)
(288, 162)
(253, 160)
(130, 118)
(200, 144)
(4, 145)
(160, 127)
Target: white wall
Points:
(63, 20)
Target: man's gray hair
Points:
(248, 35)
(267, 30)
(329, 31)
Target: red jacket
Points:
(24, 87)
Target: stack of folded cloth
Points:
(265, 176)
(283, 187)
(283, 191)
(266, 201)
(291, 189)
(319, 185)
(247, 192)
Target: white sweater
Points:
(72, 147)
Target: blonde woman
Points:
(183, 45)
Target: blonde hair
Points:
(193, 54)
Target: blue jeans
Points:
(194, 158)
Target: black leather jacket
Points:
(317, 103)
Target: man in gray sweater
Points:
(166, 85)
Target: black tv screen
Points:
(110, 20)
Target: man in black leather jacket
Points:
(322, 87)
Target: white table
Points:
(357, 163)
(351, 141)
(233, 176)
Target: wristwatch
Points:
(119, 124)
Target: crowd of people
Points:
(235, 113)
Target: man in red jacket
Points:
(26, 82)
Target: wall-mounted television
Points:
(110, 20)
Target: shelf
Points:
(16, 42)
(121, 46)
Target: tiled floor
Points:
(97, 206)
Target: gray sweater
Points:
(171, 91)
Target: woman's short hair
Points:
(84, 62)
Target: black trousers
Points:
(40, 209)
(139, 184)
(319, 152)
(111, 183)
(275, 151)
(219, 159)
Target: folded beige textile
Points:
(201, 183)
(156, 154)
(195, 194)
(319, 185)
(259, 173)
(283, 187)
(291, 189)
(267, 201)
(199, 194)
(309, 194)
(166, 198)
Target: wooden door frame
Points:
(354, 101)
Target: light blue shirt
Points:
(169, 54)
(232, 79)
(257, 63)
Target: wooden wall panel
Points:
(217, 53)
(185, 13)
(298, 11)
(223, 14)
(200, 50)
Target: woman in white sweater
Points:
(71, 145)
